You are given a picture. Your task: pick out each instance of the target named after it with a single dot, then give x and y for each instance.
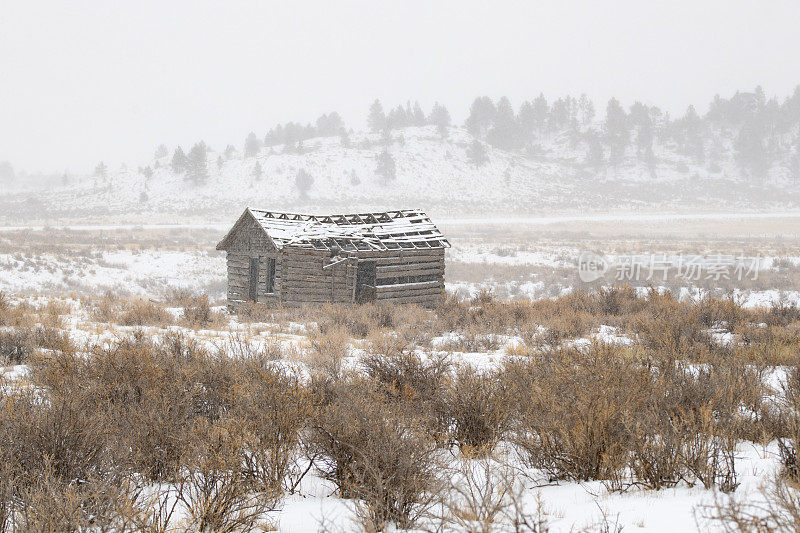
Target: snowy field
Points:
(70, 270)
(562, 505)
(754, 258)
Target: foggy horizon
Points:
(112, 82)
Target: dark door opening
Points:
(270, 283)
(252, 289)
(365, 281)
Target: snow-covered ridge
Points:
(431, 173)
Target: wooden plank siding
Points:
(305, 281)
(249, 241)
(405, 264)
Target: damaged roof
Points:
(386, 230)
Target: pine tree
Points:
(541, 111)
(229, 151)
(101, 170)
(161, 151)
(344, 138)
(251, 145)
(197, 164)
(476, 153)
(418, 115)
(640, 119)
(179, 161)
(790, 110)
(481, 116)
(257, 171)
(586, 110)
(751, 153)
(220, 162)
(270, 139)
(376, 120)
(616, 129)
(594, 155)
(303, 182)
(147, 172)
(504, 133)
(398, 118)
(690, 136)
(386, 167)
(560, 114)
(440, 118)
(794, 168)
(526, 120)
(329, 125)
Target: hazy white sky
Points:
(83, 81)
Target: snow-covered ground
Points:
(151, 273)
(509, 266)
(570, 507)
(141, 273)
(431, 173)
(566, 506)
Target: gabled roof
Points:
(387, 230)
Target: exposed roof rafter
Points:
(403, 229)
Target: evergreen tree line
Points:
(404, 117)
(764, 132)
(193, 165)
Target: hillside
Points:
(552, 176)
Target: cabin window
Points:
(270, 282)
(252, 292)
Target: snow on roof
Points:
(406, 229)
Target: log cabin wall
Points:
(249, 241)
(305, 281)
(408, 276)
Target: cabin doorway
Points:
(252, 287)
(365, 281)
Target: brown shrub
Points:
(197, 313)
(16, 346)
(143, 313)
(57, 436)
(327, 351)
(376, 452)
(572, 405)
(476, 409)
(779, 510)
(671, 327)
(486, 495)
(215, 492)
(589, 414)
(135, 312)
(256, 312)
(11, 315)
(152, 394)
(769, 344)
(405, 375)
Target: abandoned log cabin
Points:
(293, 259)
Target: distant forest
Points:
(761, 134)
